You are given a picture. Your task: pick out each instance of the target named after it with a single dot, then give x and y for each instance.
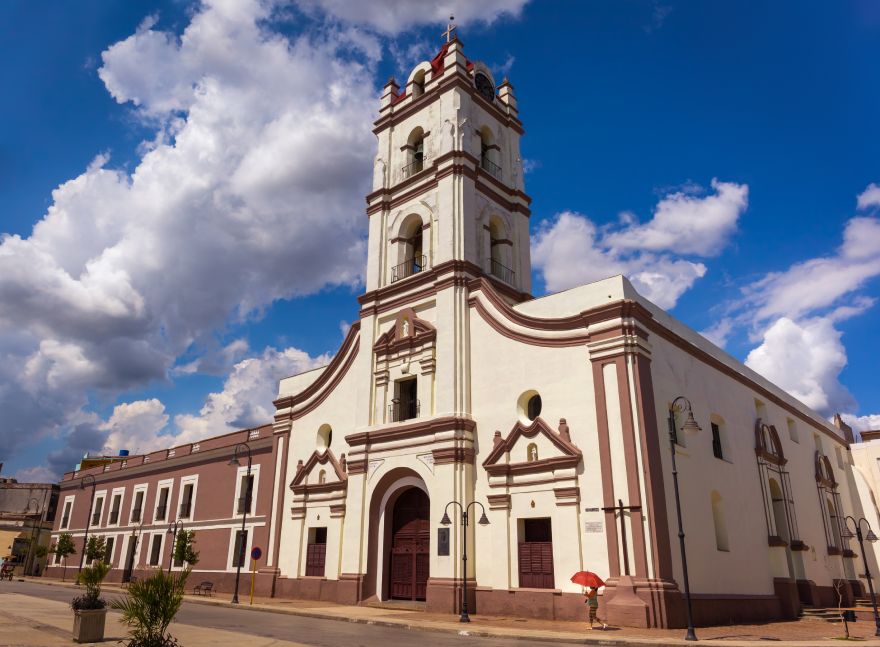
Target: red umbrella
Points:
(587, 578)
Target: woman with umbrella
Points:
(593, 582)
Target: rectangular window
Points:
(96, 515)
(114, 509)
(792, 430)
(536, 554)
(316, 552)
(716, 441)
(246, 494)
(186, 504)
(65, 518)
(162, 506)
(137, 508)
(405, 404)
(238, 557)
(156, 550)
(108, 551)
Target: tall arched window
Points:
(418, 87)
(411, 258)
(489, 152)
(780, 519)
(415, 155)
(500, 248)
(720, 524)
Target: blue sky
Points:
(199, 232)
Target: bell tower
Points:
(448, 188)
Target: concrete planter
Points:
(88, 626)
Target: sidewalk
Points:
(802, 632)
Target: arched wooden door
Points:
(409, 546)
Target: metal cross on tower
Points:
(449, 29)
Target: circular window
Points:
(325, 437)
(529, 406)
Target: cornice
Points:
(407, 430)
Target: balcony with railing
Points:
(500, 271)
(160, 512)
(114, 517)
(413, 168)
(409, 267)
(400, 410)
(136, 515)
(490, 167)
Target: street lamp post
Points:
(82, 486)
(484, 521)
(247, 504)
(37, 514)
(869, 536)
(690, 426)
(172, 530)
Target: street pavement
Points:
(37, 613)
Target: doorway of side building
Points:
(410, 534)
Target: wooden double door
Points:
(410, 546)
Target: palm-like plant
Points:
(91, 577)
(150, 607)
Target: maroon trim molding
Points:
(399, 431)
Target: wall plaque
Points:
(443, 542)
(594, 527)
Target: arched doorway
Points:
(409, 545)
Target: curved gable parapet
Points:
(572, 330)
(568, 454)
(298, 404)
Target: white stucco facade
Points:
(430, 400)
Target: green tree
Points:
(63, 548)
(150, 606)
(95, 548)
(184, 548)
(41, 550)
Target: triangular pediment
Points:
(308, 473)
(408, 331)
(534, 448)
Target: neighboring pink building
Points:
(138, 500)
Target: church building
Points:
(546, 419)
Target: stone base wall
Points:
(546, 604)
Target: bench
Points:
(205, 588)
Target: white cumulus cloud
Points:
(870, 197)
(395, 16)
(804, 358)
(570, 249)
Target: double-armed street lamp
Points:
(247, 504)
(484, 521)
(690, 426)
(856, 531)
(82, 486)
(173, 529)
